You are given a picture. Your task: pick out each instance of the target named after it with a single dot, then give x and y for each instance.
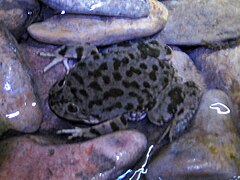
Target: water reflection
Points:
(7, 86)
(12, 115)
(137, 173)
(63, 12)
(220, 108)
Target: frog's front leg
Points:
(115, 124)
(59, 56)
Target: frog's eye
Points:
(72, 108)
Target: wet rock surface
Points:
(102, 158)
(210, 148)
(130, 8)
(19, 108)
(204, 21)
(220, 68)
(17, 15)
(71, 29)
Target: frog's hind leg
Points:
(118, 123)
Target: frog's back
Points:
(104, 86)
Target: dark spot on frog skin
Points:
(114, 126)
(131, 55)
(68, 83)
(133, 94)
(125, 60)
(155, 67)
(63, 51)
(117, 76)
(95, 131)
(143, 66)
(79, 51)
(94, 85)
(133, 84)
(78, 78)
(146, 84)
(152, 76)
(113, 92)
(116, 64)
(176, 98)
(117, 105)
(135, 70)
(81, 64)
(83, 92)
(95, 55)
(95, 73)
(103, 67)
(129, 73)
(165, 82)
(106, 79)
(129, 106)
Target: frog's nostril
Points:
(72, 108)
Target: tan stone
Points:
(75, 29)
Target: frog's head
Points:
(64, 105)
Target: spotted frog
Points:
(125, 82)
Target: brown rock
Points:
(75, 29)
(208, 151)
(17, 15)
(102, 158)
(18, 105)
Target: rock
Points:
(17, 15)
(102, 158)
(75, 29)
(219, 68)
(19, 108)
(130, 8)
(186, 69)
(208, 151)
(199, 22)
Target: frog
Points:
(128, 81)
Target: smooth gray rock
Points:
(198, 22)
(208, 151)
(17, 15)
(19, 109)
(128, 8)
(102, 158)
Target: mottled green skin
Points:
(134, 77)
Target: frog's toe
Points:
(76, 132)
(54, 62)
